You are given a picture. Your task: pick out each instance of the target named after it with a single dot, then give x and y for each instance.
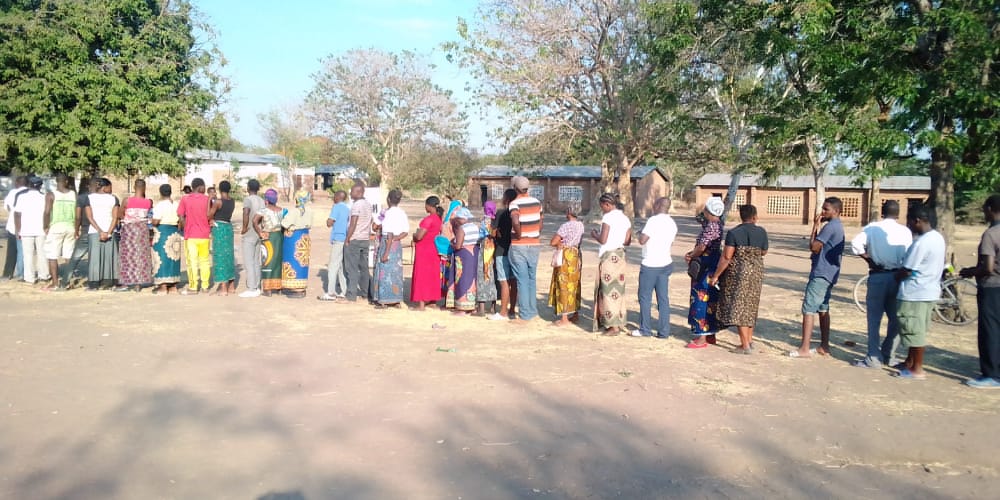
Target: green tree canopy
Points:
(102, 85)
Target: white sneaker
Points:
(636, 333)
(497, 317)
(250, 294)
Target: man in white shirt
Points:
(656, 239)
(29, 225)
(13, 265)
(883, 245)
(919, 289)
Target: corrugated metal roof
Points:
(556, 171)
(207, 154)
(349, 170)
(901, 182)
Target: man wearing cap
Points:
(526, 219)
(826, 248)
(13, 265)
(29, 226)
(883, 246)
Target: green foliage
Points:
(441, 169)
(341, 185)
(101, 85)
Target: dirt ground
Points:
(125, 395)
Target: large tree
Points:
(582, 69)
(384, 105)
(100, 85)
(287, 132)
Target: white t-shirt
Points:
(31, 206)
(8, 204)
(885, 242)
(102, 205)
(165, 211)
(661, 230)
(618, 226)
(395, 222)
(926, 259)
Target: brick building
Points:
(558, 187)
(793, 198)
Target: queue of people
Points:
(489, 268)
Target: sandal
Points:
(695, 345)
(188, 291)
(795, 354)
(907, 374)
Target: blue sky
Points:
(273, 47)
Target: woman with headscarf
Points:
(135, 250)
(486, 286)
(740, 275)
(461, 295)
(425, 285)
(388, 279)
(702, 262)
(220, 212)
(295, 247)
(267, 223)
(615, 235)
(565, 295)
(168, 243)
(444, 243)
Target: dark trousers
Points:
(356, 265)
(989, 331)
(11, 259)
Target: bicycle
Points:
(957, 305)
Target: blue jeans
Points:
(655, 279)
(881, 300)
(19, 269)
(524, 265)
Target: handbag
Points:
(557, 260)
(694, 269)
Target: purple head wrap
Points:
(271, 196)
(490, 209)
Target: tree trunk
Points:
(875, 195)
(820, 189)
(624, 187)
(819, 176)
(609, 170)
(942, 196)
(734, 185)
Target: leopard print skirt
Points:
(741, 285)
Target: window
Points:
(784, 205)
(496, 191)
(738, 201)
(570, 193)
(537, 192)
(852, 208)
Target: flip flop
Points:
(795, 354)
(692, 345)
(908, 375)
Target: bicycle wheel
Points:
(861, 293)
(957, 305)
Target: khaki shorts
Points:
(59, 244)
(914, 320)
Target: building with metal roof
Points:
(793, 197)
(561, 187)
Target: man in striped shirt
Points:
(526, 217)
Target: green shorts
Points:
(914, 319)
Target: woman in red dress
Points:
(425, 287)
